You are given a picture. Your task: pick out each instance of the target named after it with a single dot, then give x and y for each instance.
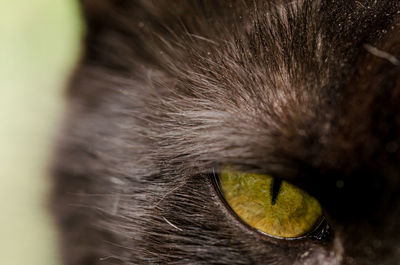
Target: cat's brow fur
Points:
(168, 91)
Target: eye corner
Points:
(322, 232)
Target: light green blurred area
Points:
(39, 45)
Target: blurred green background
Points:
(39, 46)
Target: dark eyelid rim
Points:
(321, 231)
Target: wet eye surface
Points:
(272, 206)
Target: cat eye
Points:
(270, 205)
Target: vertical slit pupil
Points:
(276, 186)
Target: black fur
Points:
(168, 91)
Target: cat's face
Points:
(170, 93)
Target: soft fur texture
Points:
(169, 91)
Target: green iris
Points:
(280, 210)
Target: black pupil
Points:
(276, 186)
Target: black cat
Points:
(171, 91)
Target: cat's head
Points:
(170, 93)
